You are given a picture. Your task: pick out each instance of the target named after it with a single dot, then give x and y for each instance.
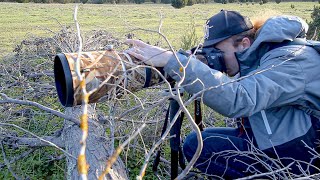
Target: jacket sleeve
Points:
(279, 86)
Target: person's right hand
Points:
(148, 54)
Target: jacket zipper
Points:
(266, 123)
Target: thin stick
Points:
(115, 155)
(41, 139)
(7, 99)
(82, 163)
(267, 173)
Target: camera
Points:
(211, 56)
(106, 73)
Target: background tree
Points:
(314, 24)
(166, 1)
(191, 2)
(178, 3)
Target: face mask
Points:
(213, 56)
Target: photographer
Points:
(277, 100)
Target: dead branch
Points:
(41, 139)
(7, 99)
(115, 155)
(267, 173)
(33, 142)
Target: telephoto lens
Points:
(106, 73)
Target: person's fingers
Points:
(139, 51)
(136, 51)
(133, 53)
(136, 42)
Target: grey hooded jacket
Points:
(278, 88)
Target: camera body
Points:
(211, 56)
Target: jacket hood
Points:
(275, 30)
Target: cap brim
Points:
(214, 41)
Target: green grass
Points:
(20, 20)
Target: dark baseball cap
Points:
(224, 25)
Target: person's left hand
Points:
(148, 54)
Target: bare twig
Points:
(7, 99)
(26, 131)
(34, 142)
(82, 162)
(267, 173)
(115, 155)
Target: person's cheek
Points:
(231, 63)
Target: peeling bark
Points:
(98, 150)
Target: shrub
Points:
(139, 1)
(314, 25)
(292, 6)
(166, 1)
(278, 1)
(189, 39)
(190, 2)
(178, 3)
(98, 1)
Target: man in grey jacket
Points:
(277, 96)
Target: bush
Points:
(265, 1)
(138, 1)
(178, 3)
(314, 25)
(166, 1)
(190, 2)
(189, 39)
(278, 1)
(98, 1)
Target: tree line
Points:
(183, 2)
(174, 3)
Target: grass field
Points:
(20, 20)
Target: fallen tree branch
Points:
(34, 142)
(26, 131)
(7, 99)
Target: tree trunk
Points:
(99, 148)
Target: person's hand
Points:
(148, 54)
